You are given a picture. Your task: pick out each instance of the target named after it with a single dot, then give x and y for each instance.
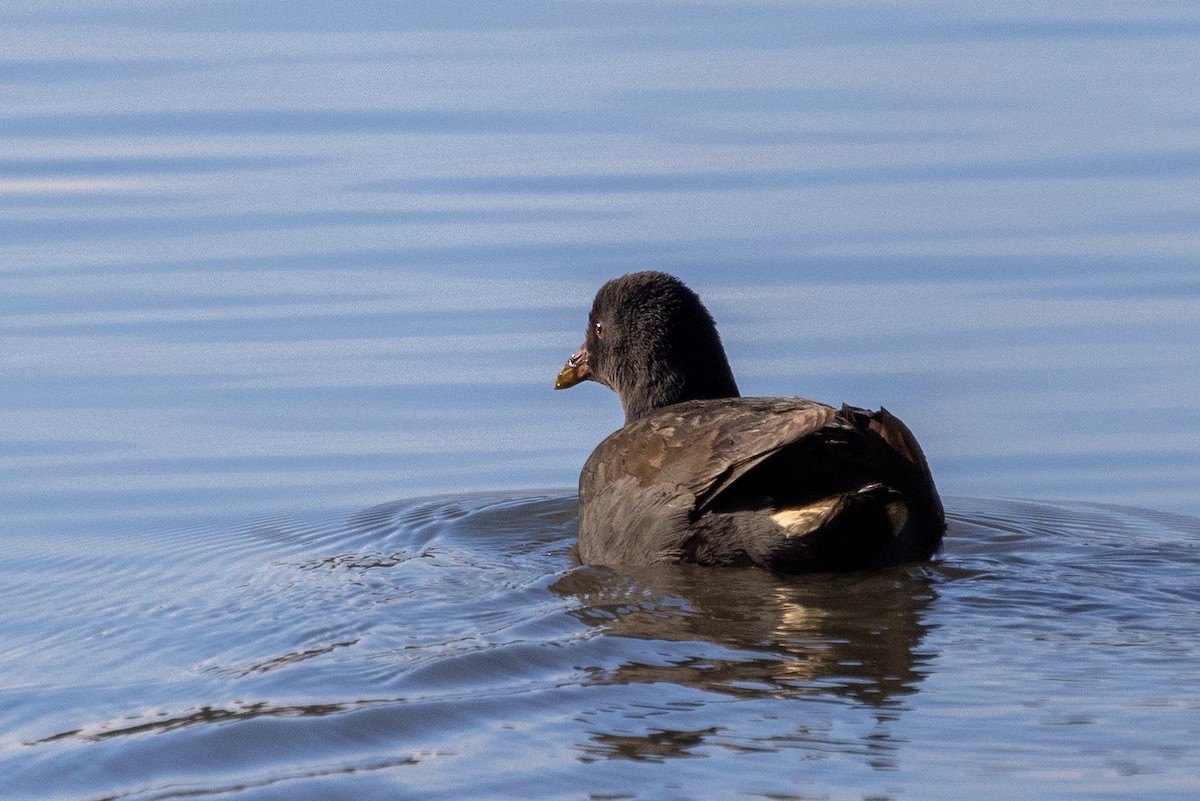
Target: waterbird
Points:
(700, 474)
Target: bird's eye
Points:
(599, 330)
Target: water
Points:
(451, 648)
(283, 291)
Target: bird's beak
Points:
(575, 370)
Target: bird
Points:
(700, 474)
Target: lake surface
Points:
(287, 500)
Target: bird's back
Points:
(786, 483)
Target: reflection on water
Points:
(451, 647)
(857, 636)
(200, 717)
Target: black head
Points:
(650, 340)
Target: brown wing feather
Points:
(644, 485)
(700, 448)
(699, 481)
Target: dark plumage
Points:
(700, 474)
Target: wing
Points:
(691, 451)
(644, 485)
(745, 478)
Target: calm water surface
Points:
(283, 288)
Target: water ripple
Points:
(1097, 167)
(439, 625)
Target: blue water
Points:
(286, 497)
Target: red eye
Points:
(599, 330)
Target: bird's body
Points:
(703, 475)
(785, 483)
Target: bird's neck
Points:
(668, 388)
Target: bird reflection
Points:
(854, 637)
(857, 636)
